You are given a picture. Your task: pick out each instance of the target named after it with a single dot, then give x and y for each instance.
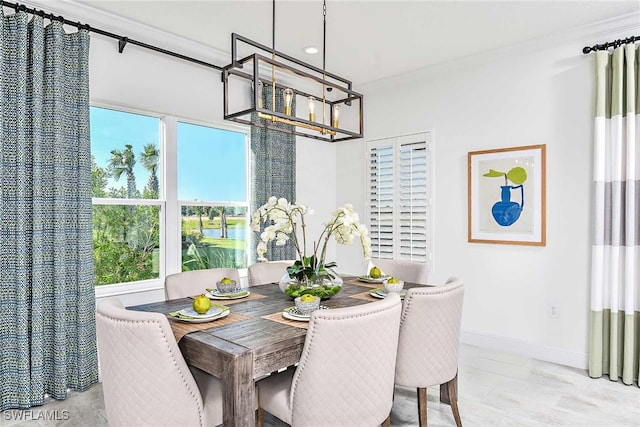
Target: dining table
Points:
(253, 341)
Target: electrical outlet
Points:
(554, 312)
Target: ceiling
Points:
(373, 39)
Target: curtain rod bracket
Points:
(122, 43)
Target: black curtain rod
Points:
(613, 44)
(122, 41)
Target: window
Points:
(139, 211)
(125, 177)
(398, 202)
(212, 193)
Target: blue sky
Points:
(211, 162)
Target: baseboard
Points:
(534, 351)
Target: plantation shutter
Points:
(380, 205)
(398, 197)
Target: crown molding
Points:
(572, 38)
(83, 12)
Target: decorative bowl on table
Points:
(226, 286)
(306, 305)
(324, 288)
(393, 286)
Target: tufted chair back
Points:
(190, 283)
(409, 271)
(430, 335)
(345, 374)
(263, 273)
(145, 379)
(429, 342)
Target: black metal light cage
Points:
(334, 87)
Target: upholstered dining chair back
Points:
(429, 341)
(263, 273)
(190, 283)
(346, 372)
(409, 271)
(145, 379)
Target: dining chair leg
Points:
(260, 418)
(453, 395)
(387, 421)
(422, 406)
(444, 391)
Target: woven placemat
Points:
(180, 329)
(365, 296)
(277, 317)
(251, 297)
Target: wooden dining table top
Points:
(255, 340)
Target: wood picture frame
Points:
(495, 178)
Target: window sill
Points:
(128, 288)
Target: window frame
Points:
(170, 206)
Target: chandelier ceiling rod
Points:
(324, 35)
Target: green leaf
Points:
(517, 175)
(494, 174)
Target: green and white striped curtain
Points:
(273, 171)
(47, 296)
(615, 277)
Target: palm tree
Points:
(199, 212)
(223, 221)
(123, 162)
(150, 156)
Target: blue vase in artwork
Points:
(506, 212)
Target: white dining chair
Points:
(409, 271)
(346, 371)
(429, 342)
(263, 273)
(145, 380)
(190, 283)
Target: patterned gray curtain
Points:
(273, 171)
(47, 300)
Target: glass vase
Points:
(324, 288)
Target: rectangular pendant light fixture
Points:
(326, 107)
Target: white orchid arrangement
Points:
(285, 218)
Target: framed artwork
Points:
(506, 195)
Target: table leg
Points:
(238, 391)
(233, 365)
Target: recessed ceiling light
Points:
(310, 50)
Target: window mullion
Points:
(172, 210)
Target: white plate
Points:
(208, 319)
(214, 294)
(293, 314)
(286, 315)
(382, 293)
(212, 312)
(368, 279)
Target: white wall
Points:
(539, 93)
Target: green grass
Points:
(223, 243)
(191, 223)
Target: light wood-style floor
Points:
(496, 389)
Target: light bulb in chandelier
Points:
(336, 116)
(288, 100)
(312, 109)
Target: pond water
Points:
(232, 233)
